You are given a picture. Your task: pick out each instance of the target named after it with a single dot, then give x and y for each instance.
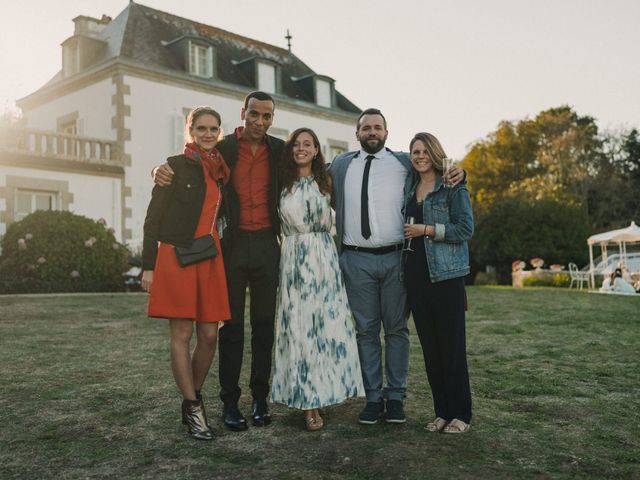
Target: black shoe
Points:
(233, 419)
(395, 412)
(196, 420)
(260, 416)
(371, 413)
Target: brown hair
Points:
(371, 111)
(434, 149)
(289, 169)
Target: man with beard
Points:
(369, 187)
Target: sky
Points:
(455, 69)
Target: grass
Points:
(86, 392)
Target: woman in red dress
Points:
(196, 293)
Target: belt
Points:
(256, 233)
(375, 251)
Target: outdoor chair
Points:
(578, 277)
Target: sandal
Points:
(314, 423)
(436, 425)
(456, 426)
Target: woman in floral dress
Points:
(316, 360)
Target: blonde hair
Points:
(434, 149)
(193, 116)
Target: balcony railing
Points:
(60, 146)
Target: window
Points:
(69, 125)
(178, 121)
(334, 152)
(336, 147)
(25, 195)
(280, 133)
(200, 60)
(28, 201)
(69, 128)
(266, 77)
(323, 93)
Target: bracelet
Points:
(425, 231)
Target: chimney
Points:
(89, 26)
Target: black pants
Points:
(252, 261)
(438, 313)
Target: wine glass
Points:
(407, 241)
(447, 164)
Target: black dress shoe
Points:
(260, 416)
(233, 419)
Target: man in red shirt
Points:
(251, 254)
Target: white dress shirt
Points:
(386, 184)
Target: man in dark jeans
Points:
(251, 254)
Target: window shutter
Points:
(177, 122)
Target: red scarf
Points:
(212, 161)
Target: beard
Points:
(373, 147)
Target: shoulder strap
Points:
(215, 215)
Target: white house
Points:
(117, 108)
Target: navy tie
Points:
(364, 199)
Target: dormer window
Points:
(319, 89)
(70, 58)
(260, 72)
(323, 92)
(200, 60)
(267, 77)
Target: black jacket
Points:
(174, 211)
(228, 147)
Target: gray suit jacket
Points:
(338, 170)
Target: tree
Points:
(517, 228)
(550, 156)
(614, 183)
(558, 163)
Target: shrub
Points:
(484, 278)
(53, 251)
(519, 229)
(561, 280)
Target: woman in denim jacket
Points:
(434, 277)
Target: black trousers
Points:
(438, 313)
(253, 262)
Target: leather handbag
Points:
(202, 248)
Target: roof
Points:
(143, 35)
(629, 234)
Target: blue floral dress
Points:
(316, 359)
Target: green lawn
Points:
(86, 392)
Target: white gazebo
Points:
(620, 237)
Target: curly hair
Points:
(289, 169)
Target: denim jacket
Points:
(449, 209)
